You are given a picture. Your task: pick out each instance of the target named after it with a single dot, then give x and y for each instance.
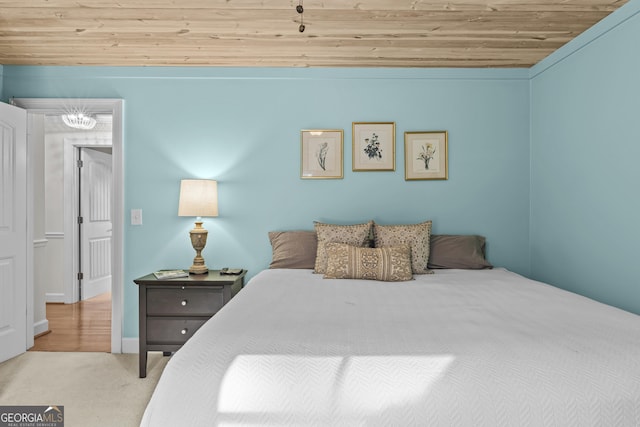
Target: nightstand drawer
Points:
(184, 302)
(167, 330)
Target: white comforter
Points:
(457, 348)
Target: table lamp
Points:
(198, 197)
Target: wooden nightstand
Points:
(171, 310)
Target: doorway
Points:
(52, 106)
(77, 215)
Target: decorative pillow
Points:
(389, 264)
(293, 249)
(417, 236)
(458, 251)
(356, 235)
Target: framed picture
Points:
(425, 155)
(321, 154)
(374, 146)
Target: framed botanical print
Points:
(426, 155)
(321, 154)
(374, 146)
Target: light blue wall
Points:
(242, 127)
(585, 173)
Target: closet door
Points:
(96, 212)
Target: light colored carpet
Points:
(96, 389)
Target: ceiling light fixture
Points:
(79, 120)
(300, 10)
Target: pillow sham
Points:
(293, 249)
(417, 236)
(356, 235)
(458, 251)
(389, 264)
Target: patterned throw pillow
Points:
(389, 264)
(418, 236)
(356, 235)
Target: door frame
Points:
(114, 107)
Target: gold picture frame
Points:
(374, 146)
(322, 154)
(426, 155)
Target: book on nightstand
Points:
(170, 274)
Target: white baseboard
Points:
(90, 290)
(130, 345)
(54, 297)
(40, 327)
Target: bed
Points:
(455, 348)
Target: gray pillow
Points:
(293, 249)
(458, 251)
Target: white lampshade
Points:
(198, 197)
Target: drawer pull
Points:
(184, 302)
(184, 331)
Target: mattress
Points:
(456, 348)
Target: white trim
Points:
(131, 345)
(117, 288)
(54, 235)
(40, 243)
(91, 290)
(54, 297)
(115, 107)
(40, 327)
(30, 232)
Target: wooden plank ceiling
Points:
(339, 33)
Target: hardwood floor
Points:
(83, 326)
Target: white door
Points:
(95, 232)
(13, 231)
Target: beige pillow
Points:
(356, 235)
(293, 249)
(389, 264)
(417, 236)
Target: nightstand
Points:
(172, 310)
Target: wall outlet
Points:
(136, 216)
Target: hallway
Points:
(83, 326)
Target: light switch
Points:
(136, 216)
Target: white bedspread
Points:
(457, 348)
